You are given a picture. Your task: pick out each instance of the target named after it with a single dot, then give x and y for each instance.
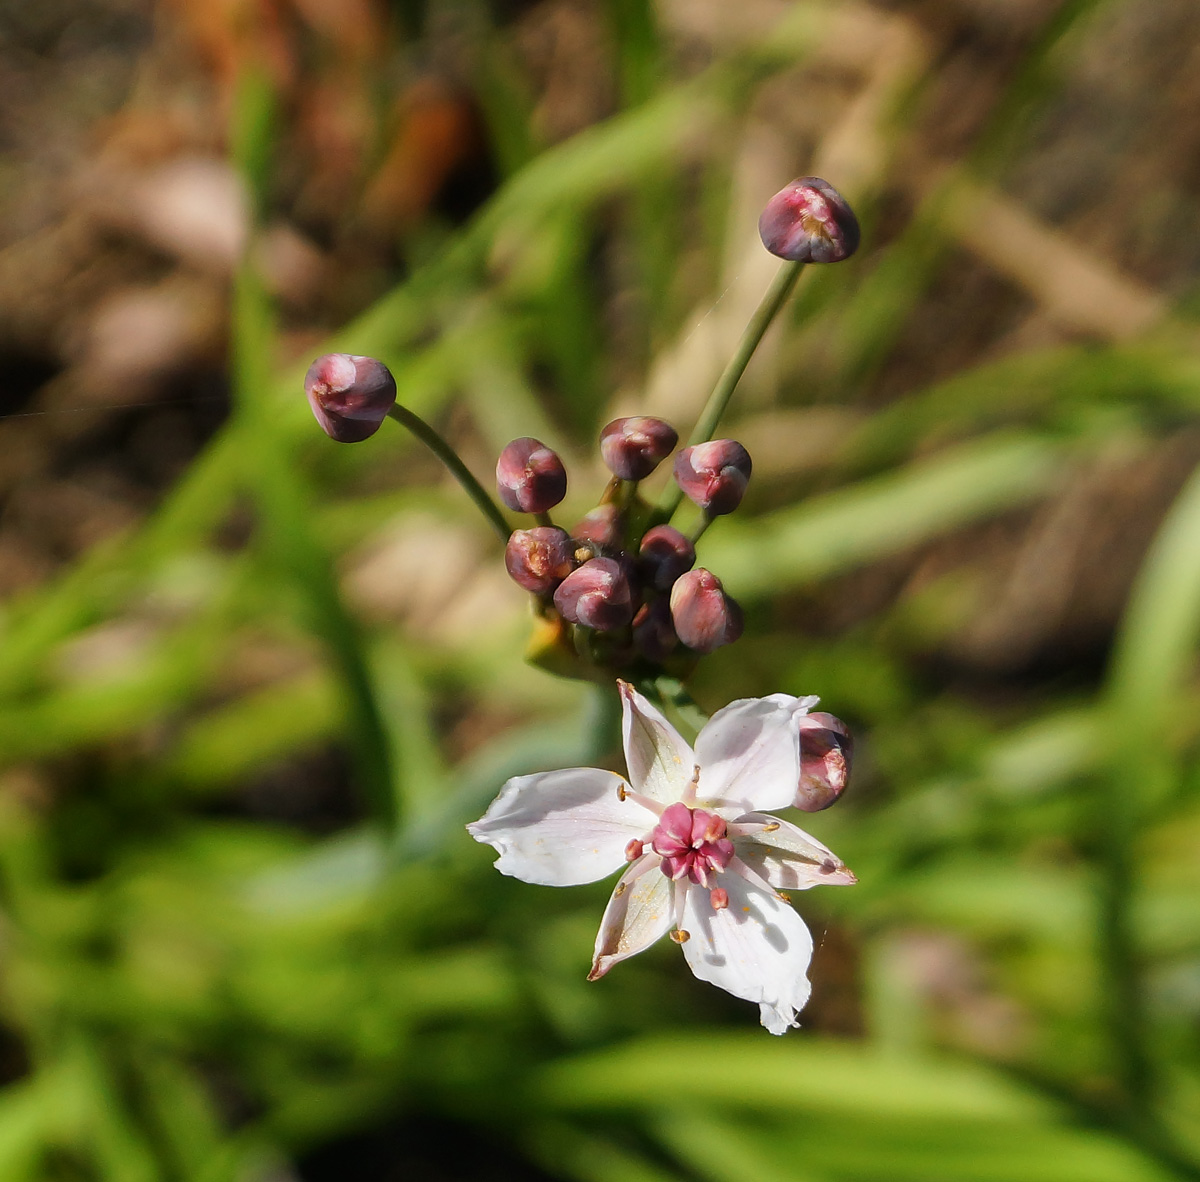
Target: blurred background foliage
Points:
(254, 682)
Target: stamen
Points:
(680, 901)
(689, 793)
(750, 828)
(642, 866)
(680, 936)
(753, 876)
(634, 850)
(624, 792)
(718, 897)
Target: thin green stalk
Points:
(774, 299)
(444, 452)
(1152, 658)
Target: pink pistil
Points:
(692, 843)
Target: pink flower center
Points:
(692, 843)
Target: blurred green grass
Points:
(191, 993)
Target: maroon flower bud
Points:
(597, 595)
(665, 555)
(633, 448)
(539, 559)
(653, 632)
(826, 751)
(714, 475)
(704, 616)
(530, 478)
(350, 396)
(601, 527)
(809, 221)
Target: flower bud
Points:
(714, 475)
(530, 478)
(632, 448)
(653, 633)
(704, 616)
(809, 221)
(665, 555)
(539, 559)
(826, 751)
(350, 396)
(601, 527)
(597, 595)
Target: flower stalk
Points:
(444, 452)
(776, 296)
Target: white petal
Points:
(660, 763)
(638, 913)
(757, 948)
(561, 828)
(789, 858)
(749, 753)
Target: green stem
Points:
(774, 299)
(677, 702)
(444, 452)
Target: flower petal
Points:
(757, 948)
(561, 828)
(789, 858)
(749, 753)
(660, 763)
(638, 913)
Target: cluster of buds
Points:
(620, 592)
(622, 589)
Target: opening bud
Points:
(714, 475)
(653, 633)
(596, 595)
(826, 752)
(809, 221)
(530, 477)
(539, 559)
(704, 616)
(350, 396)
(665, 554)
(632, 448)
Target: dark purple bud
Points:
(809, 221)
(601, 527)
(596, 595)
(349, 395)
(714, 475)
(633, 448)
(704, 616)
(539, 559)
(530, 478)
(665, 555)
(653, 632)
(826, 751)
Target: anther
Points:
(633, 850)
(621, 888)
(719, 898)
(680, 936)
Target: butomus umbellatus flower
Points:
(705, 860)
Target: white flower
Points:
(705, 859)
